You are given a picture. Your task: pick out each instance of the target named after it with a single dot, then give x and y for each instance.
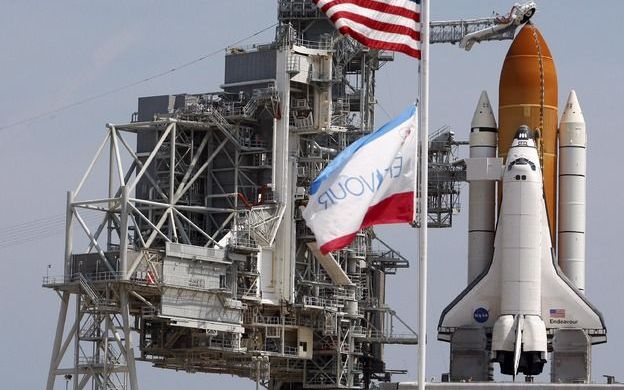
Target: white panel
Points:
(193, 274)
(267, 284)
(322, 70)
(196, 252)
(483, 168)
(197, 306)
(304, 64)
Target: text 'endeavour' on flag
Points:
(371, 182)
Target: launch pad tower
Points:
(200, 259)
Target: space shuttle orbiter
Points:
(523, 296)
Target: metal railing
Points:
(271, 320)
(301, 124)
(321, 302)
(88, 289)
(103, 276)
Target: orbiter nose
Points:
(524, 133)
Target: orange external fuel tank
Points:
(528, 96)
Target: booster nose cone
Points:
(572, 112)
(483, 117)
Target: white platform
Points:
(498, 386)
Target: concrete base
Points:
(470, 356)
(571, 356)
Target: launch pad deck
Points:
(500, 386)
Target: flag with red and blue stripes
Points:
(371, 182)
(379, 24)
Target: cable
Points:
(35, 222)
(38, 229)
(29, 239)
(384, 110)
(130, 85)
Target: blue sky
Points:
(58, 53)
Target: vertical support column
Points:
(69, 219)
(172, 165)
(105, 338)
(236, 178)
(363, 94)
(424, 195)
(350, 362)
(77, 343)
(58, 338)
(111, 182)
(284, 252)
(371, 94)
(123, 234)
(209, 180)
(282, 333)
(125, 315)
(236, 225)
(172, 161)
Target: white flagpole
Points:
(423, 117)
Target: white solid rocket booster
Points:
(482, 193)
(572, 188)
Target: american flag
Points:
(557, 313)
(379, 24)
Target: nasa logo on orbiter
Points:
(481, 315)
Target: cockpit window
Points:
(521, 161)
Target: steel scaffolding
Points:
(200, 248)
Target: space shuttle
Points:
(523, 295)
(527, 196)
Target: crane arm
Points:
(467, 32)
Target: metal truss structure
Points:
(453, 31)
(446, 173)
(200, 248)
